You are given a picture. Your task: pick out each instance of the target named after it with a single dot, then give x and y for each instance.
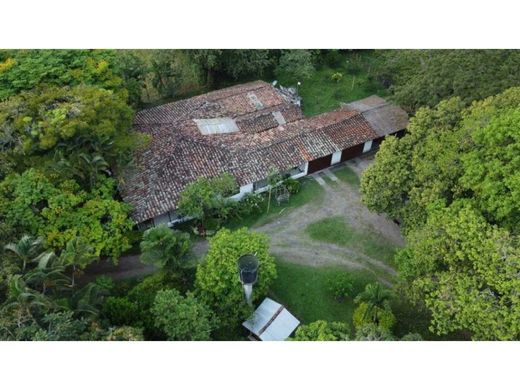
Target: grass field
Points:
(336, 231)
(321, 93)
(304, 290)
(347, 175)
(310, 191)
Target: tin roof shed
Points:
(271, 322)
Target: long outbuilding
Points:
(247, 131)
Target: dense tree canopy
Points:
(217, 280)
(68, 120)
(466, 271)
(31, 203)
(182, 318)
(426, 77)
(453, 180)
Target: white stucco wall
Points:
(367, 146)
(336, 157)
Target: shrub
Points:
(372, 332)
(382, 317)
(337, 77)
(125, 333)
(412, 337)
(340, 286)
(120, 311)
(322, 331)
(292, 185)
(251, 202)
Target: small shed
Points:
(271, 321)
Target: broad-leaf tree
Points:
(217, 280)
(182, 318)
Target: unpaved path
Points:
(288, 238)
(290, 241)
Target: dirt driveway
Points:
(289, 240)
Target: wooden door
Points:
(319, 164)
(352, 152)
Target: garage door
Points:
(352, 152)
(319, 163)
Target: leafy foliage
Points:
(372, 332)
(217, 280)
(23, 70)
(322, 331)
(164, 247)
(207, 199)
(466, 271)
(453, 181)
(295, 65)
(425, 77)
(59, 213)
(341, 286)
(182, 318)
(68, 120)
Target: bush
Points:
(337, 77)
(250, 203)
(412, 337)
(120, 311)
(292, 185)
(322, 331)
(372, 332)
(340, 286)
(383, 318)
(125, 333)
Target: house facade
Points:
(245, 130)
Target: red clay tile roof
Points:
(179, 152)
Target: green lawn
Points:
(310, 191)
(304, 291)
(336, 231)
(321, 94)
(347, 175)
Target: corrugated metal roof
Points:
(271, 322)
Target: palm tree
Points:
(27, 249)
(376, 298)
(77, 254)
(23, 301)
(48, 273)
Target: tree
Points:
(425, 77)
(322, 331)
(374, 307)
(182, 318)
(164, 247)
(206, 199)
(125, 333)
(217, 280)
(31, 203)
(27, 250)
(466, 271)
(23, 70)
(231, 64)
(294, 66)
(69, 120)
(77, 254)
